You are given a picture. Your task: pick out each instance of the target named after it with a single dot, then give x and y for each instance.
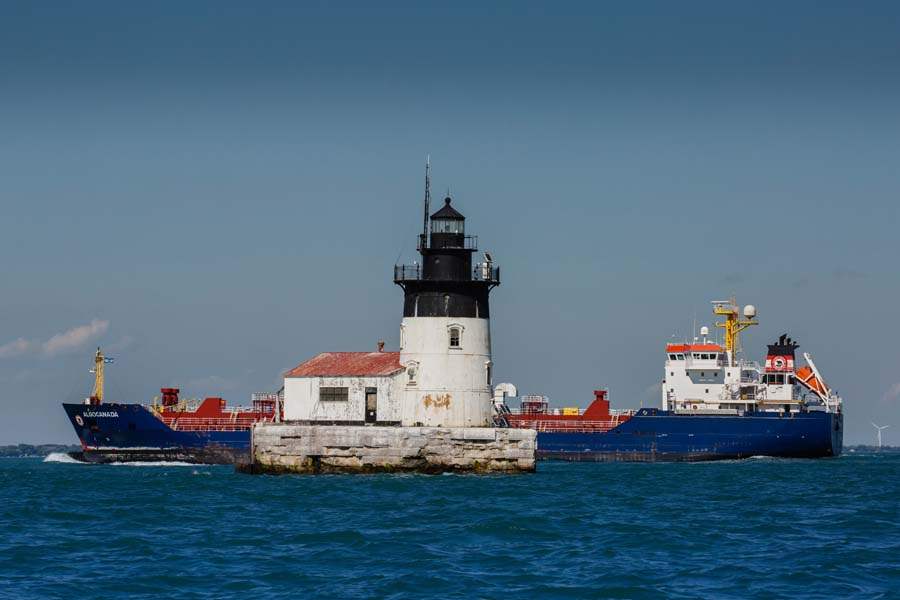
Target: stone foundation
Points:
(285, 448)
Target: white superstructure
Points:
(705, 377)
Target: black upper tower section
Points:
(446, 283)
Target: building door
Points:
(371, 405)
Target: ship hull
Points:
(652, 435)
(131, 433)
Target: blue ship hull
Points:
(656, 435)
(130, 432)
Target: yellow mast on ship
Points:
(733, 324)
(99, 362)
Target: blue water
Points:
(761, 528)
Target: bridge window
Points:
(773, 379)
(334, 394)
(680, 356)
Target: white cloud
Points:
(61, 342)
(16, 348)
(74, 338)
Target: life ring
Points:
(79, 420)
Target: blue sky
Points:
(216, 191)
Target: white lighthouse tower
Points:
(445, 335)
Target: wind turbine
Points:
(879, 429)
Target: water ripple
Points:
(760, 528)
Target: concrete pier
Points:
(287, 448)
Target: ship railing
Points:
(574, 426)
(556, 412)
(201, 424)
(244, 409)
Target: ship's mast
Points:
(99, 362)
(733, 324)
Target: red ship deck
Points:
(595, 419)
(212, 414)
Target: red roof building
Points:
(349, 364)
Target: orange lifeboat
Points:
(806, 376)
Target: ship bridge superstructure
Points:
(704, 376)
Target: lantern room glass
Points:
(448, 226)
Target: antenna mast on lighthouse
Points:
(427, 200)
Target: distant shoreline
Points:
(35, 450)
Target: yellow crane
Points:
(733, 324)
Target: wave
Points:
(62, 457)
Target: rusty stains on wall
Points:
(437, 401)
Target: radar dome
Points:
(749, 311)
(505, 389)
(704, 330)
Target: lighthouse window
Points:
(447, 226)
(412, 371)
(333, 394)
(454, 337)
(489, 371)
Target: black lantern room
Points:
(447, 283)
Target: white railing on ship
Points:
(568, 426)
(200, 424)
(558, 413)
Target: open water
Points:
(760, 528)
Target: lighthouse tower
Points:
(445, 335)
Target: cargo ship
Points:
(715, 405)
(168, 429)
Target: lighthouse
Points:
(425, 407)
(445, 334)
